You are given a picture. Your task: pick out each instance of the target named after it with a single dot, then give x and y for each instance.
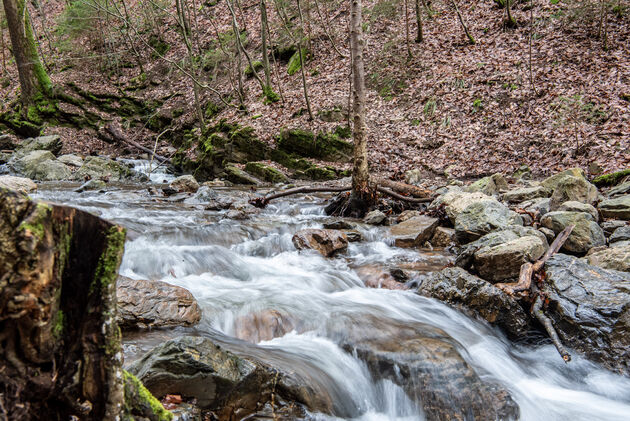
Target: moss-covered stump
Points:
(265, 172)
(60, 353)
(611, 179)
(325, 146)
(140, 403)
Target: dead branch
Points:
(554, 247)
(551, 331)
(404, 188)
(395, 195)
(117, 135)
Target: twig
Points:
(551, 331)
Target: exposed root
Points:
(537, 310)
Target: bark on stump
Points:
(60, 353)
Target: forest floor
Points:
(469, 110)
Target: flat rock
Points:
(590, 308)
(375, 217)
(616, 258)
(490, 185)
(573, 206)
(21, 184)
(504, 261)
(526, 193)
(91, 185)
(413, 232)
(610, 226)
(96, 167)
(238, 176)
(457, 287)
(586, 234)
(623, 188)
(327, 242)
(50, 143)
(483, 217)
(618, 207)
(71, 160)
(143, 303)
(620, 234)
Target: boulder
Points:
(467, 292)
(184, 183)
(238, 176)
(526, 193)
(454, 201)
(144, 304)
(96, 167)
(24, 185)
(51, 170)
(586, 234)
(504, 261)
(71, 160)
(211, 199)
(6, 144)
(91, 185)
(491, 185)
(552, 182)
(623, 188)
(27, 163)
(266, 172)
(483, 217)
(338, 224)
(426, 364)
(443, 237)
(590, 308)
(263, 326)
(616, 258)
(576, 189)
(413, 232)
(573, 206)
(234, 386)
(375, 217)
(513, 232)
(539, 206)
(620, 234)
(618, 207)
(327, 242)
(610, 226)
(374, 276)
(50, 143)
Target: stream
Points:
(236, 268)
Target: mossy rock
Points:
(258, 66)
(320, 174)
(244, 146)
(294, 62)
(284, 52)
(325, 146)
(611, 179)
(344, 132)
(265, 172)
(139, 403)
(290, 161)
(238, 176)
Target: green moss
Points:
(58, 326)
(258, 66)
(270, 95)
(139, 402)
(265, 172)
(344, 132)
(318, 173)
(34, 224)
(612, 178)
(327, 146)
(294, 62)
(107, 268)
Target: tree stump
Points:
(60, 353)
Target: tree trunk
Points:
(60, 353)
(360, 175)
(34, 80)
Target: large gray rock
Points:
(482, 217)
(233, 386)
(590, 308)
(573, 206)
(504, 261)
(143, 303)
(413, 232)
(375, 217)
(238, 176)
(443, 237)
(526, 193)
(610, 226)
(96, 167)
(586, 234)
(620, 234)
(618, 207)
(50, 143)
(327, 242)
(467, 292)
(71, 160)
(496, 238)
(424, 362)
(51, 171)
(490, 185)
(184, 183)
(573, 189)
(24, 185)
(623, 188)
(454, 201)
(616, 258)
(27, 163)
(552, 182)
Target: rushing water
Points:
(237, 268)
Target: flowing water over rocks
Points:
(379, 354)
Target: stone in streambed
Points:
(504, 261)
(586, 234)
(413, 232)
(24, 185)
(184, 183)
(327, 242)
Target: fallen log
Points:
(118, 136)
(404, 188)
(261, 202)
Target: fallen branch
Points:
(117, 135)
(404, 188)
(261, 202)
(551, 331)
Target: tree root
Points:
(537, 310)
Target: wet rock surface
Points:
(143, 304)
(413, 232)
(327, 242)
(616, 258)
(504, 261)
(590, 308)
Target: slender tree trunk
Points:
(34, 80)
(461, 21)
(511, 22)
(420, 35)
(263, 33)
(302, 64)
(360, 174)
(406, 6)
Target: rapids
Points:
(235, 268)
